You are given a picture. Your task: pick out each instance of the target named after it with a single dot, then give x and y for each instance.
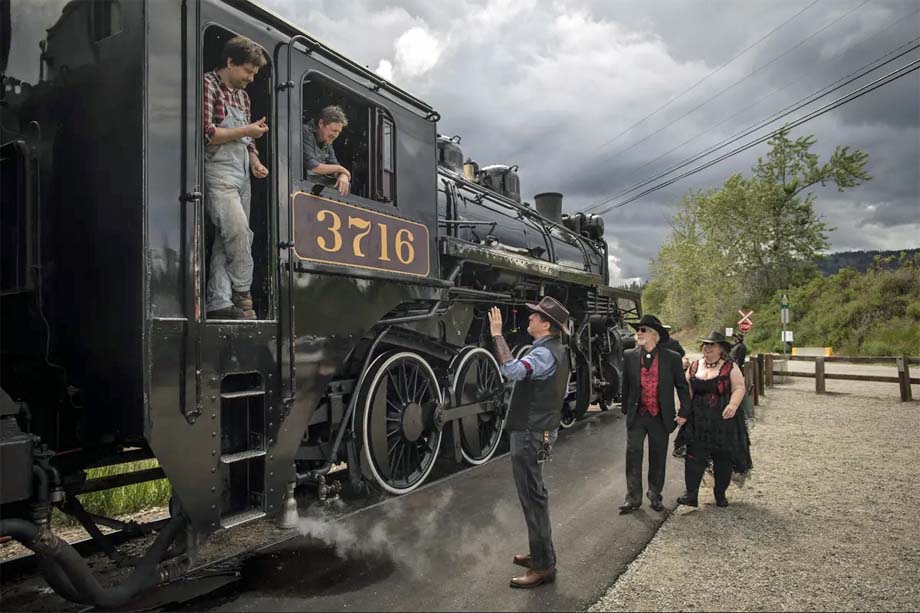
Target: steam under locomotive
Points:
(370, 346)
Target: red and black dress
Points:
(707, 436)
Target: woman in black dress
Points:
(713, 428)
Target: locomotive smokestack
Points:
(549, 205)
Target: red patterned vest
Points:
(648, 397)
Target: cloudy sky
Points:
(590, 97)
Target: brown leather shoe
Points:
(532, 578)
(242, 300)
(522, 559)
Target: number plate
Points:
(346, 235)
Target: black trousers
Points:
(653, 428)
(697, 459)
(528, 478)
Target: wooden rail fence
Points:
(762, 372)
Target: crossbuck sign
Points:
(745, 323)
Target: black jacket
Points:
(670, 378)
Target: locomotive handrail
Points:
(310, 47)
(288, 86)
(486, 195)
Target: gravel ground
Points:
(827, 521)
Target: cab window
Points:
(366, 146)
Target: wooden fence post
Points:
(768, 371)
(760, 375)
(755, 379)
(904, 378)
(819, 375)
(747, 371)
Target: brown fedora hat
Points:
(650, 321)
(552, 309)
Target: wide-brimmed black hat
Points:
(717, 337)
(650, 321)
(553, 309)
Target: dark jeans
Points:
(528, 478)
(653, 428)
(697, 459)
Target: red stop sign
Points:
(745, 325)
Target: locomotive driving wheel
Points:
(399, 441)
(577, 395)
(477, 379)
(568, 418)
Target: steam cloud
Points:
(416, 540)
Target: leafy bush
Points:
(876, 313)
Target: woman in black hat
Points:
(713, 428)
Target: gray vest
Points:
(536, 404)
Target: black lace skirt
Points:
(706, 428)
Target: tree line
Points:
(745, 243)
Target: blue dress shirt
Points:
(538, 364)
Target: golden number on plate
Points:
(334, 228)
(404, 245)
(384, 247)
(361, 224)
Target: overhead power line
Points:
(899, 52)
(738, 82)
(881, 82)
(689, 89)
(900, 19)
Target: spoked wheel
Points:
(395, 420)
(568, 404)
(577, 395)
(477, 378)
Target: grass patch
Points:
(121, 500)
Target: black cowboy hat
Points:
(650, 321)
(716, 337)
(553, 310)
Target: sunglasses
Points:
(643, 329)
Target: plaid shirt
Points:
(217, 97)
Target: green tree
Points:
(742, 242)
(792, 236)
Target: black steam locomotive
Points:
(370, 342)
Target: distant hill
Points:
(858, 260)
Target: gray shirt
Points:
(314, 153)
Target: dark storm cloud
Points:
(551, 85)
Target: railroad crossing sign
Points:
(745, 323)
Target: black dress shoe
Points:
(629, 507)
(657, 506)
(687, 500)
(721, 502)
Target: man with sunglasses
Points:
(651, 375)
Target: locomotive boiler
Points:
(370, 346)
